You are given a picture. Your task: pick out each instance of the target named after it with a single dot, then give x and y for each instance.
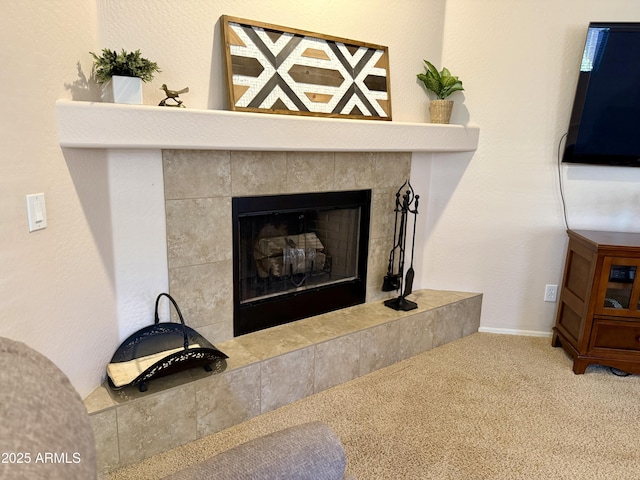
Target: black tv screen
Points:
(605, 120)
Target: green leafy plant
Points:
(130, 64)
(441, 83)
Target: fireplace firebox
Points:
(298, 255)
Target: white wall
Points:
(55, 285)
(496, 223)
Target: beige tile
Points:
(326, 326)
(336, 362)
(258, 173)
(217, 332)
(105, 431)
(157, 424)
(286, 378)
(196, 173)
(391, 169)
(415, 335)
(310, 172)
(354, 171)
(98, 400)
(239, 356)
(369, 315)
(272, 341)
(227, 399)
(383, 215)
(377, 266)
(447, 325)
(381, 243)
(198, 231)
(428, 299)
(379, 347)
(473, 308)
(204, 292)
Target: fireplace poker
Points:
(408, 283)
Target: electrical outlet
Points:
(551, 293)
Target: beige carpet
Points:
(484, 407)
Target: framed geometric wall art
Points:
(274, 69)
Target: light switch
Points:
(36, 212)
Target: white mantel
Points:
(130, 138)
(109, 125)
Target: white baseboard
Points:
(513, 331)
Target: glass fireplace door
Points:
(291, 246)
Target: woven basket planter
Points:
(440, 110)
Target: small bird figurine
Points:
(172, 95)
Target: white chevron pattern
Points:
(275, 85)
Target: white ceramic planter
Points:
(124, 90)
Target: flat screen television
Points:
(605, 120)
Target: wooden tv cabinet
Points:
(598, 318)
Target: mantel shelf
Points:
(109, 125)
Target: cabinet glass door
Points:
(620, 292)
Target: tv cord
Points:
(619, 373)
(564, 205)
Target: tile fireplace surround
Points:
(204, 158)
(198, 189)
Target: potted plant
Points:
(126, 71)
(442, 84)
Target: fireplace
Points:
(145, 174)
(298, 255)
(199, 191)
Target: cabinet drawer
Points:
(611, 334)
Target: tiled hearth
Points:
(271, 368)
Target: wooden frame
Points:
(276, 69)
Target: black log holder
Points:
(159, 350)
(406, 204)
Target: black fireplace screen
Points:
(298, 255)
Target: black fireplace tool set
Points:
(406, 204)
